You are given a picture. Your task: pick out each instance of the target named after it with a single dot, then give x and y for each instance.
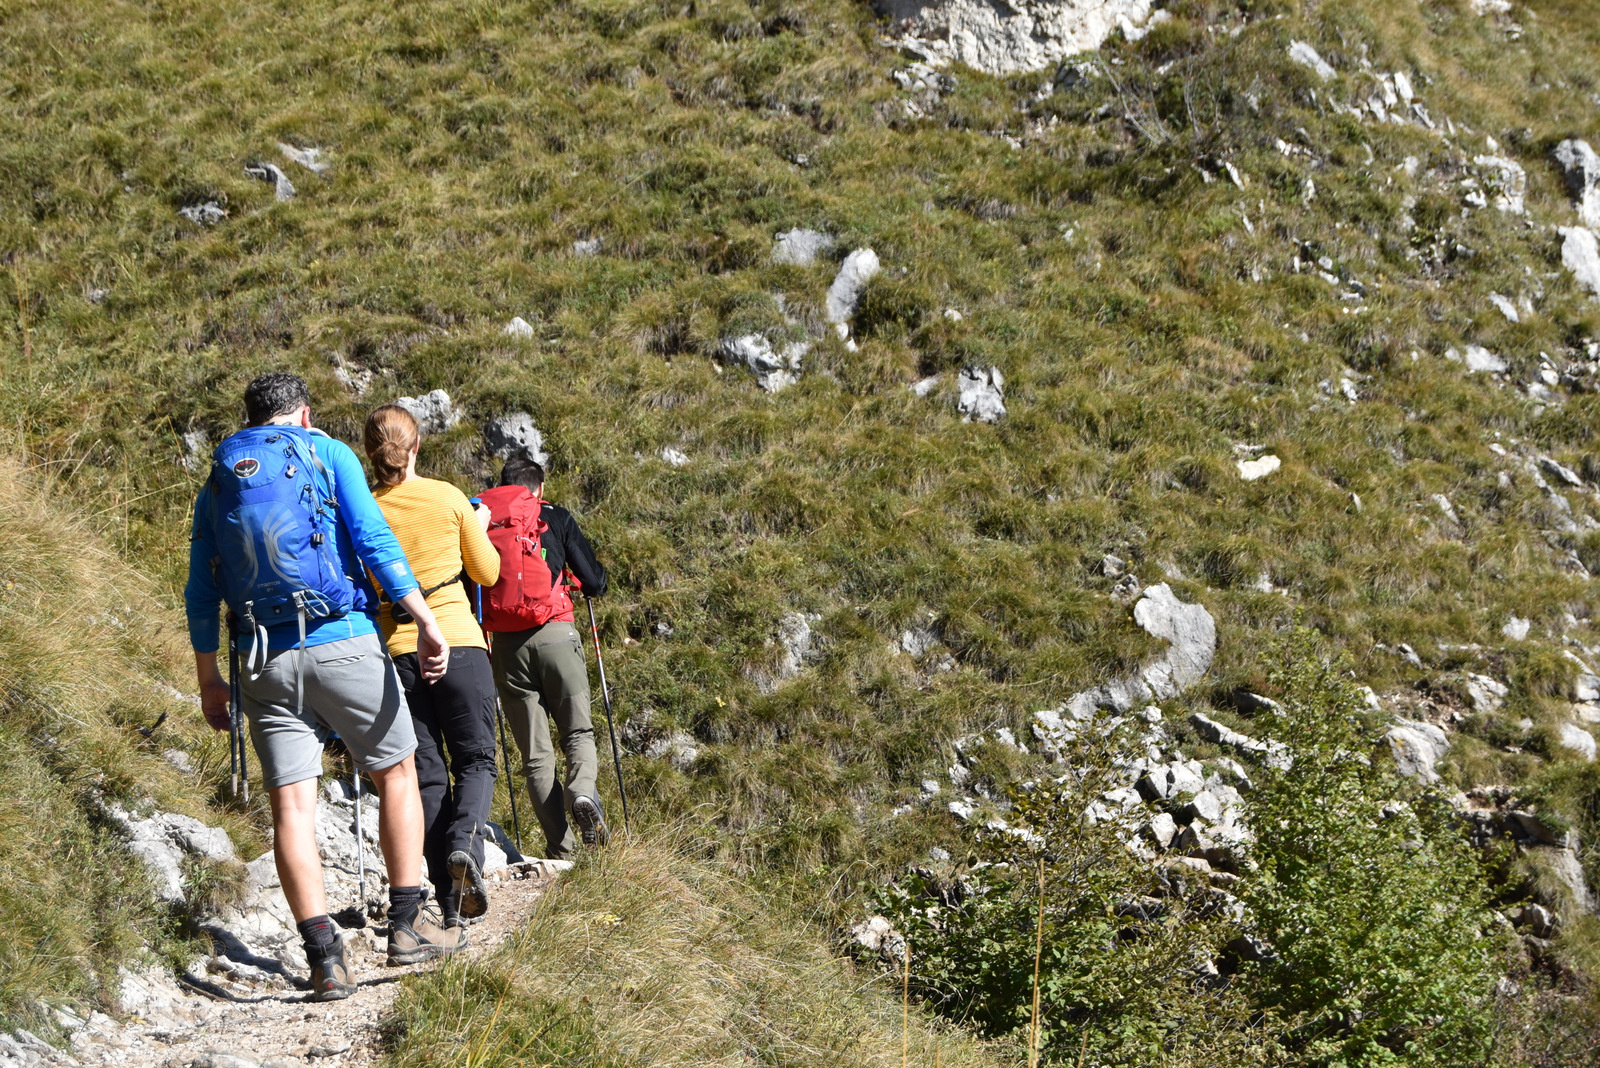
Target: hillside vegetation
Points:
(1181, 254)
(87, 705)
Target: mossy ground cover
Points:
(1148, 322)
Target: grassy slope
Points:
(643, 955)
(473, 142)
(89, 658)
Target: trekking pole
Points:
(500, 719)
(233, 711)
(361, 845)
(611, 720)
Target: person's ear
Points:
(305, 416)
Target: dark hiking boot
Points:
(330, 976)
(591, 821)
(422, 939)
(469, 894)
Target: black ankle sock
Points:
(319, 935)
(404, 904)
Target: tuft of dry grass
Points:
(644, 955)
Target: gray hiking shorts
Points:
(350, 688)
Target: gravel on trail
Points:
(230, 1024)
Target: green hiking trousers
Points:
(542, 675)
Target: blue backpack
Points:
(274, 514)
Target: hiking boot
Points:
(470, 894)
(591, 821)
(422, 939)
(330, 976)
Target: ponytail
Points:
(390, 435)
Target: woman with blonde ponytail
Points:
(442, 536)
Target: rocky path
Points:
(227, 1022)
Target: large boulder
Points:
(1192, 637)
(515, 435)
(1014, 38)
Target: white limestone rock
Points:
(674, 457)
(1487, 694)
(1002, 39)
(309, 158)
(514, 434)
(775, 368)
(801, 248)
(282, 188)
(1417, 747)
(982, 395)
(844, 294)
(1308, 57)
(434, 412)
(1580, 254)
(519, 327)
(1505, 180)
(164, 839)
(207, 214)
(1581, 165)
(587, 247)
(1578, 740)
(1251, 470)
(1481, 361)
(1516, 628)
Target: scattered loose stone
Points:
(208, 214)
(1480, 361)
(586, 247)
(271, 172)
(519, 327)
(309, 158)
(845, 293)
(1507, 181)
(1505, 307)
(435, 412)
(1580, 254)
(1487, 694)
(1308, 57)
(1251, 470)
(1578, 740)
(1516, 628)
(924, 386)
(982, 395)
(775, 369)
(674, 457)
(801, 247)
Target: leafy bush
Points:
(1359, 897)
(1374, 908)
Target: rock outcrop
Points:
(775, 368)
(435, 412)
(514, 434)
(1028, 35)
(983, 396)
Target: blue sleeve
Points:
(201, 600)
(374, 542)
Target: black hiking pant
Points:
(454, 715)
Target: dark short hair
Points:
(272, 394)
(520, 471)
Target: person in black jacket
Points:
(542, 675)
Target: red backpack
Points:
(527, 595)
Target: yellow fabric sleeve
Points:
(440, 535)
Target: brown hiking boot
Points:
(330, 977)
(470, 894)
(422, 939)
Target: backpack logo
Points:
(247, 467)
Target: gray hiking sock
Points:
(404, 904)
(318, 936)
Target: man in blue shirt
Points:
(322, 669)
